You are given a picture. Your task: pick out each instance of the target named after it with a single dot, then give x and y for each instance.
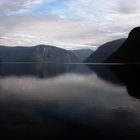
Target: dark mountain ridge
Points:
(129, 52)
(104, 51)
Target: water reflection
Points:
(127, 75)
(41, 70)
(75, 102)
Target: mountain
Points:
(39, 53)
(129, 52)
(104, 51)
(82, 54)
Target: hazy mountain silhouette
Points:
(40, 53)
(82, 54)
(129, 52)
(104, 51)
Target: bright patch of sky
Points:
(69, 24)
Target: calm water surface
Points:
(69, 101)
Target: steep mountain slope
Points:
(104, 51)
(129, 52)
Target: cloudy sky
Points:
(66, 23)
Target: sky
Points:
(70, 24)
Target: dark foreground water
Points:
(69, 101)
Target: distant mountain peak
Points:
(82, 54)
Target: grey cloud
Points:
(128, 6)
(80, 22)
(8, 7)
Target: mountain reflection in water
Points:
(69, 101)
